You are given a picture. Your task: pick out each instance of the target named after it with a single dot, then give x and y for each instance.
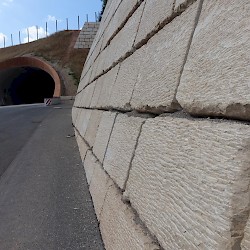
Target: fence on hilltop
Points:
(66, 26)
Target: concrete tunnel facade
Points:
(25, 80)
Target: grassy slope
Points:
(56, 49)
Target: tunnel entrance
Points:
(25, 85)
(27, 79)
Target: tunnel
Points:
(27, 80)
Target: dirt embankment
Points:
(58, 50)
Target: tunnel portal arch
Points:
(34, 62)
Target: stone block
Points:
(85, 80)
(98, 188)
(109, 11)
(124, 40)
(154, 13)
(97, 92)
(119, 17)
(121, 147)
(83, 121)
(162, 63)
(85, 70)
(103, 134)
(74, 114)
(94, 48)
(215, 80)
(127, 76)
(83, 147)
(118, 227)
(89, 164)
(99, 64)
(77, 100)
(189, 182)
(93, 125)
(245, 244)
(87, 95)
(108, 81)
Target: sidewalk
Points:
(44, 197)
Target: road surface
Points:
(44, 197)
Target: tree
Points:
(104, 2)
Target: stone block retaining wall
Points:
(161, 117)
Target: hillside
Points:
(58, 50)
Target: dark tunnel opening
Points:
(25, 85)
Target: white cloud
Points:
(53, 19)
(33, 33)
(7, 2)
(2, 36)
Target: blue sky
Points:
(20, 15)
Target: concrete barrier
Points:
(52, 101)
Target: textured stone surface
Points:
(97, 43)
(189, 178)
(75, 116)
(124, 40)
(154, 13)
(74, 113)
(127, 76)
(216, 77)
(245, 244)
(109, 12)
(97, 92)
(103, 134)
(82, 122)
(93, 125)
(99, 65)
(98, 188)
(85, 79)
(77, 101)
(87, 95)
(118, 227)
(121, 147)
(161, 64)
(182, 4)
(189, 182)
(89, 164)
(83, 147)
(107, 85)
(119, 17)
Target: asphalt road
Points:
(44, 197)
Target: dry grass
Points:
(57, 48)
